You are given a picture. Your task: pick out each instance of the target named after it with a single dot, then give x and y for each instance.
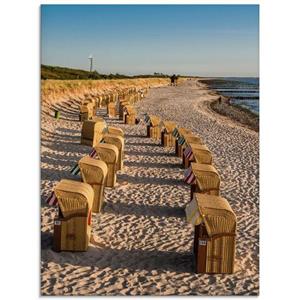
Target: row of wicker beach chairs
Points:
(211, 214)
(115, 103)
(77, 200)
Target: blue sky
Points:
(204, 40)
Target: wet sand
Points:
(142, 244)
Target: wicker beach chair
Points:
(201, 154)
(72, 227)
(167, 139)
(85, 113)
(109, 154)
(122, 104)
(154, 129)
(129, 115)
(180, 140)
(193, 139)
(118, 141)
(198, 153)
(111, 110)
(94, 172)
(215, 233)
(91, 133)
(207, 179)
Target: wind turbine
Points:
(91, 63)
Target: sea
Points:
(242, 91)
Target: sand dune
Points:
(142, 244)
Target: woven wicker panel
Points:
(94, 172)
(115, 131)
(155, 121)
(130, 110)
(216, 213)
(109, 154)
(83, 109)
(155, 133)
(193, 139)
(118, 141)
(183, 131)
(169, 126)
(207, 177)
(130, 119)
(201, 154)
(168, 140)
(98, 119)
(74, 197)
(89, 127)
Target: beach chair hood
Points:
(107, 152)
(214, 211)
(92, 170)
(154, 120)
(169, 126)
(74, 197)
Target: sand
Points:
(142, 244)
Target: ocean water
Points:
(243, 91)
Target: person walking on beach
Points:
(173, 78)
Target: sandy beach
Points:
(142, 243)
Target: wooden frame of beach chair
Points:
(109, 154)
(214, 235)
(72, 227)
(111, 110)
(118, 141)
(179, 148)
(91, 133)
(207, 180)
(129, 115)
(167, 139)
(94, 172)
(154, 129)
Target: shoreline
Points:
(240, 115)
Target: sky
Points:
(200, 40)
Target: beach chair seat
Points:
(72, 227)
(111, 110)
(91, 133)
(94, 172)
(118, 141)
(167, 139)
(207, 179)
(109, 154)
(214, 235)
(180, 140)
